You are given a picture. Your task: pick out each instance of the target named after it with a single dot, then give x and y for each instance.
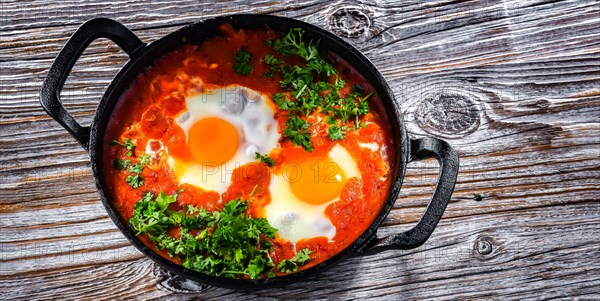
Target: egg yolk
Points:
(316, 182)
(212, 141)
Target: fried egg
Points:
(224, 127)
(302, 190)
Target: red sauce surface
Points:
(147, 112)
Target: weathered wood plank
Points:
(448, 266)
(513, 85)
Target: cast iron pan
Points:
(141, 56)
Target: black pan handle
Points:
(81, 39)
(420, 149)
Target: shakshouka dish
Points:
(250, 155)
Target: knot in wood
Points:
(484, 247)
(448, 114)
(350, 22)
(542, 103)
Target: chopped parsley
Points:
(336, 133)
(144, 159)
(149, 214)
(241, 66)
(291, 265)
(226, 243)
(282, 101)
(136, 168)
(273, 63)
(314, 86)
(292, 44)
(297, 131)
(134, 179)
(271, 60)
(265, 159)
(127, 145)
(121, 164)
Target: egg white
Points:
(296, 219)
(254, 122)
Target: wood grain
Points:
(514, 86)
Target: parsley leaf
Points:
(163, 200)
(257, 265)
(135, 180)
(121, 164)
(243, 56)
(336, 133)
(297, 131)
(271, 60)
(265, 228)
(127, 144)
(149, 216)
(265, 159)
(282, 101)
(292, 44)
(136, 168)
(291, 265)
(241, 66)
(144, 159)
(273, 63)
(363, 106)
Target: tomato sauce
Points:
(146, 114)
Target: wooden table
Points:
(513, 85)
